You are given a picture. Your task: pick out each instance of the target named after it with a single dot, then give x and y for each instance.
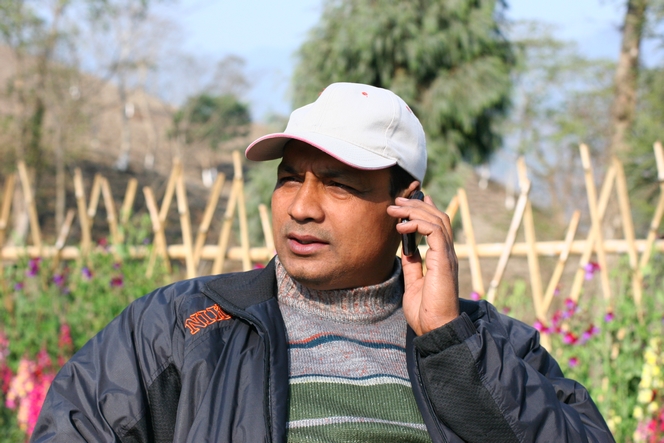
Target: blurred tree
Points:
(40, 85)
(212, 119)
(48, 96)
(626, 76)
(449, 60)
(561, 99)
(230, 77)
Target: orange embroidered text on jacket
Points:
(203, 319)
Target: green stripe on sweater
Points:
(390, 402)
(358, 432)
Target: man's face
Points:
(330, 222)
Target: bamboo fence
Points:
(194, 247)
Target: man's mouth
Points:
(305, 239)
(305, 244)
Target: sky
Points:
(267, 33)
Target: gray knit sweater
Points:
(347, 357)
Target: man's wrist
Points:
(450, 334)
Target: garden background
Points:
(120, 171)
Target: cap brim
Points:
(271, 146)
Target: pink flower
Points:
(609, 317)
(569, 338)
(35, 400)
(59, 280)
(28, 388)
(573, 362)
(541, 327)
(570, 304)
(591, 268)
(33, 267)
(116, 282)
(4, 346)
(6, 376)
(589, 333)
(64, 341)
(475, 296)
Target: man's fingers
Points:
(412, 267)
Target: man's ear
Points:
(414, 186)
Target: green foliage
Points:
(52, 309)
(37, 300)
(212, 119)
(603, 348)
(448, 60)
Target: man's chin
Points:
(305, 272)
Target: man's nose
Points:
(306, 203)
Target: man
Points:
(336, 339)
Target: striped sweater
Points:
(347, 357)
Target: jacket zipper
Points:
(254, 322)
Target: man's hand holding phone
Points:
(432, 299)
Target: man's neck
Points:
(363, 304)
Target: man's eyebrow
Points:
(326, 173)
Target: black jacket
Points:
(173, 367)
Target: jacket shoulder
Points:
(243, 289)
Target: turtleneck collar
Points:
(365, 304)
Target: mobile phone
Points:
(410, 241)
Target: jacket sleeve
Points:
(490, 380)
(102, 393)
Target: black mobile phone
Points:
(410, 241)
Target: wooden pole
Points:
(659, 211)
(267, 227)
(30, 204)
(128, 201)
(207, 216)
(562, 260)
(225, 232)
(111, 215)
(533, 259)
(605, 194)
(170, 190)
(62, 236)
(175, 252)
(86, 237)
(242, 212)
(185, 224)
(509, 241)
(452, 208)
(548, 248)
(159, 244)
(6, 207)
(94, 199)
(628, 230)
(596, 222)
(473, 258)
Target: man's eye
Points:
(343, 186)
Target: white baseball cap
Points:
(360, 125)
